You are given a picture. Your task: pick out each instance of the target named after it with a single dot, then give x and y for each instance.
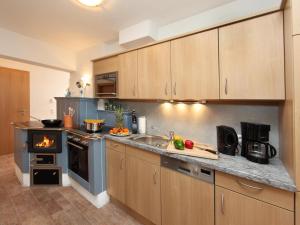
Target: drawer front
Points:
(256, 190)
(143, 154)
(115, 146)
(232, 208)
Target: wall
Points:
(29, 50)
(85, 65)
(218, 16)
(199, 122)
(42, 104)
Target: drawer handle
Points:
(115, 145)
(166, 89)
(154, 177)
(174, 89)
(222, 204)
(226, 87)
(36, 173)
(243, 185)
(122, 163)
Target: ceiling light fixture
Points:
(91, 3)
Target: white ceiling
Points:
(68, 24)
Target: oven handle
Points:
(77, 146)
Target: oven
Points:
(78, 152)
(106, 85)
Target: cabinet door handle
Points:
(116, 145)
(154, 177)
(122, 163)
(222, 203)
(226, 86)
(133, 91)
(243, 185)
(166, 89)
(174, 89)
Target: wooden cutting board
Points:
(196, 151)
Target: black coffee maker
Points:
(255, 142)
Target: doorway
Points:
(14, 105)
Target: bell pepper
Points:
(179, 144)
(189, 144)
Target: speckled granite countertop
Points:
(273, 174)
(34, 125)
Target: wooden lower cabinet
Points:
(116, 174)
(186, 200)
(143, 188)
(232, 208)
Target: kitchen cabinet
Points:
(107, 65)
(128, 77)
(265, 193)
(143, 184)
(296, 16)
(233, 208)
(116, 171)
(186, 200)
(154, 77)
(195, 66)
(252, 59)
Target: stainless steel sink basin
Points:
(156, 141)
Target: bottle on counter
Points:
(134, 122)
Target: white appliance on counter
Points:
(142, 125)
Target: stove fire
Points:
(46, 143)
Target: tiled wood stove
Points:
(44, 145)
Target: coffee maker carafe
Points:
(255, 142)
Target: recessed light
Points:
(91, 3)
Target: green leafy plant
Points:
(119, 117)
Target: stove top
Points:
(90, 135)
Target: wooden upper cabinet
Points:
(296, 16)
(252, 59)
(127, 79)
(106, 65)
(154, 77)
(195, 66)
(232, 208)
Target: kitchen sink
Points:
(156, 141)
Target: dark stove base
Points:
(45, 176)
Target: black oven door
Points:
(78, 159)
(106, 85)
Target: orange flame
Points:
(46, 143)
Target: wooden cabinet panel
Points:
(127, 79)
(14, 102)
(186, 200)
(116, 174)
(143, 155)
(296, 16)
(296, 83)
(253, 189)
(106, 65)
(154, 77)
(195, 66)
(143, 188)
(236, 209)
(115, 146)
(252, 59)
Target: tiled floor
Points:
(55, 205)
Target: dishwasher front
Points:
(187, 191)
